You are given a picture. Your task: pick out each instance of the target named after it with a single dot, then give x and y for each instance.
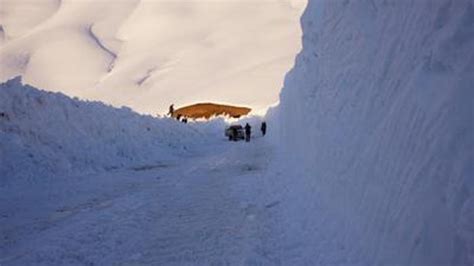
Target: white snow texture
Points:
(374, 154)
(43, 134)
(376, 125)
(147, 54)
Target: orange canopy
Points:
(206, 110)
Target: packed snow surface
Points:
(147, 54)
(376, 126)
(199, 210)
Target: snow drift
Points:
(377, 135)
(149, 54)
(44, 134)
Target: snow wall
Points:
(44, 134)
(376, 132)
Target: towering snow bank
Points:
(43, 134)
(377, 122)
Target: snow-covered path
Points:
(202, 210)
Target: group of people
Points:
(248, 130)
(178, 117)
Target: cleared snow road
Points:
(202, 210)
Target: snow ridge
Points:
(99, 43)
(46, 134)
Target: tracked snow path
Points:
(198, 211)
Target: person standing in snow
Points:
(248, 131)
(171, 111)
(263, 128)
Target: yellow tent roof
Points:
(207, 110)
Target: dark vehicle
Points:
(235, 133)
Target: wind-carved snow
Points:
(225, 51)
(99, 43)
(147, 76)
(2, 35)
(376, 124)
(23, 17)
